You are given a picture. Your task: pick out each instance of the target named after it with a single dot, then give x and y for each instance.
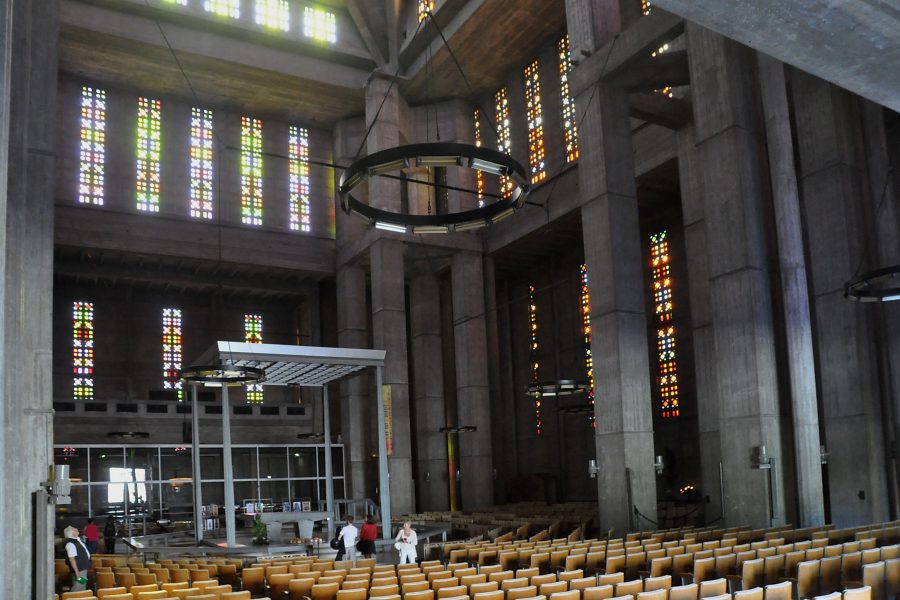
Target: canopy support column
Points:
(329, 471)
(230, 540)
(384, 487)
(195, 459)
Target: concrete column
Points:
(612, 252)
(832, 188)
(428, 388)
(884, 219)
(352, 317)
(472, 389)
(729, 151)
(28, 83)
(794, 291)
(389, 333)
(689, 171)
(495, 378)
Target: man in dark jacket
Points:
(79, 559)
(109, 535)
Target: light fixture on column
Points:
(223, 374)
(433, 155)
(763, 460)
(459, 429)
(823, 454)
(659, 465)
(593, 469)
(558, 387)
(880, 285)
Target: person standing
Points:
(349, 534)
(91, 536)
(405, 543)
(367, 536)
(79, 559)
(109, 535)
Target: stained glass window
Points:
(570, 128)
(83, 350)
(253, 325)
(178, 2)
(479, 175)
(201, 163)
(667, 369)
(92, 150)
(171, 350)
(535, 365)
(224, 8)
(149, 146)
(535, 122)
(501, 115)
(251, 171)
(298, 167)
(319, 24)
(646, 7)
(425, 6)
(273, 13)
(587, 334)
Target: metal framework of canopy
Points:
(305, 366)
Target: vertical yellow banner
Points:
(388, 419)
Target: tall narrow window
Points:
(479, 176)
(92, 151)
(646, 7)
(535, 122)
(535, 364)
(298, 167)
(501, 115)
(83, 350)
(201, 163)
(176, 2)
(251, 171)
(319, 24)
(273, 13)
(223, 8)
(425, 6)
(148, 150)
(253, 335)
(171, 350)
(570, 128)
(587, 334)
(667, 368)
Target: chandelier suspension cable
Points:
(362, 144)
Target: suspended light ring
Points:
(228, 375)
(459, 429)
(578, 409)
(439, 154)
(129, 435)
(880, 285)
(558, 387)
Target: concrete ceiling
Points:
(498, 37)
(854, 44)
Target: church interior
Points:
(579, 288)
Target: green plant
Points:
(260, 532)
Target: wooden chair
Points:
(137, 589)
(570, 575)
(615, 564)
(611, 578)
(569, 595)
(555, 587)
(328, 591)
(704, 568)
(600, 592)
(582, 583)
(539, 580)
(851, 568)
(74, 595)
(452, 592)
(379, 590)
(488, 569)
(873, 576)
(347, 595)
(501, 576)
(355, 584)
(663, 582)
(658, 594)
(629, 588)
(111, 591)
(204, 584)
(521, 592)
(126, 580)
(279, 584)
(831, 596)
(185, 593)
(684, 592)
(753, 574)
(155, 595)
(863, 593)
(528, 572)
(496, 595)
(779, 591)
(751, 594)
(830, 574)
(807, 579)
(714, 587)
(119, 597)
(419, 595)
(242, 595)
(439, 584)
(254, 580)
(300, 588)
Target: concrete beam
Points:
(142, 234)
(630, 46)
(656, 108)
(656, 72)
(851, 43)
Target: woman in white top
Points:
(406, 541)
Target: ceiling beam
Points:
(653, 107)
(632, 45)
(375, 46)
(656, 72)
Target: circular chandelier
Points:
(578, 409)
(129, 435)
(558, 387)
(439, 154)
(880, 285)
(228, 375)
